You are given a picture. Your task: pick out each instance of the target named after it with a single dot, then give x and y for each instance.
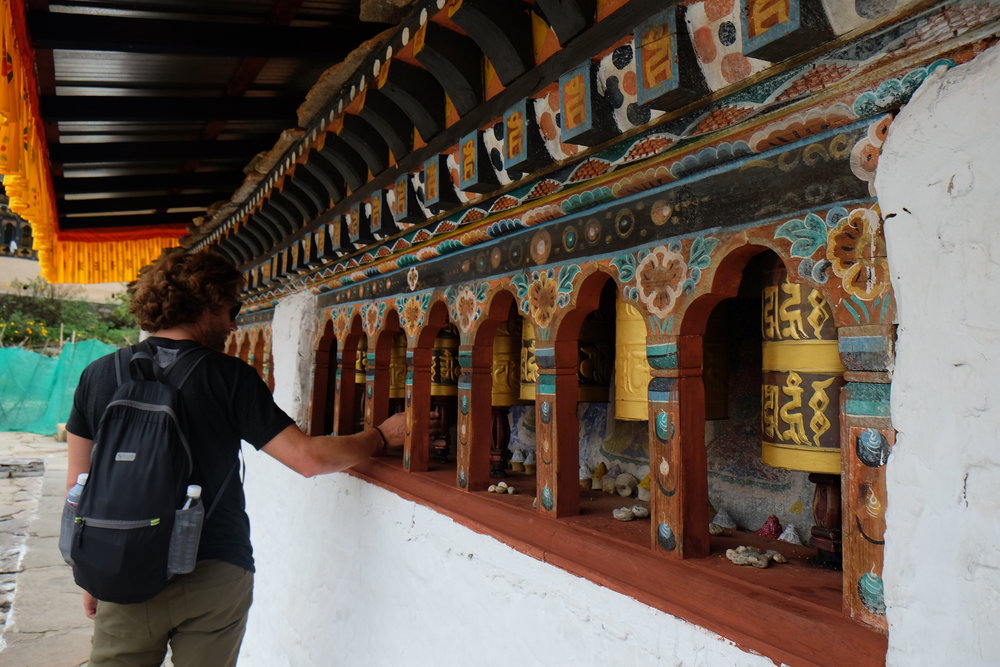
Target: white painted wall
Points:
(349, 573)
(939, 175)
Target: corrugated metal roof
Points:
(176, 89)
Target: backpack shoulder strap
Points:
(182, 366)
(122, 359)
(196, 356)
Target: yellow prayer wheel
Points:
(632, 371)
(529, 365)
(802, 378)
(397, 366)
(361, 362)
(594, 370)
(506, 369)
(444, 362)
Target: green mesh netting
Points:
(36, 392)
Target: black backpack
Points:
(141, 464)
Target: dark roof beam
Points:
(115, 221)
(125, 151)
(216, 181)
(76, 32)
(60, 108)
(117, 204)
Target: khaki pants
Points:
(203, 615)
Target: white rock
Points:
(790, 535)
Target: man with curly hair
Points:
(188, 301)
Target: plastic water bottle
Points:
(69, 517)
(187, 534)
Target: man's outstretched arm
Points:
(321, 454)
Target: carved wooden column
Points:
(867, 438)
(865, 314)
(557, 431)
(677, 456)
(343, 417)
(473, 420)
(370, 394)
(418, 404)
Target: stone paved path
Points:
(45, 625)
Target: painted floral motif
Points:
(856, 251)
(659, 279)
(411, 313)
(542, 297)
(544, 293)
(864, 156)
(341, 321)
(808, 235)
(465, 304)
(412, 277)
(371, 317)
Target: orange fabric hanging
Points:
(93, 256)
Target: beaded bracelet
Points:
(385, 442)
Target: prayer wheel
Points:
(397, 366)
(444, 362)
(632, 371)
(802, 378)
(361, 361)
(506, 369)
(529, 365)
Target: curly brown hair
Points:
(178, 287)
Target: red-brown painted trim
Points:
(737, 603)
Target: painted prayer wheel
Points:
(632, 371)
(506, 369)
(444, 362)
(802, 378)
(397, 366)
(361, 362)
(529, 365)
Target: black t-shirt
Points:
(224, 401)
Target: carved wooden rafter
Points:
(366, 140)
(345, 160)
(503, 32)
(567, 18)
(389, 120)
(417, 93)
(455, 61)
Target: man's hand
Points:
(394, 428)
(89, 605)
